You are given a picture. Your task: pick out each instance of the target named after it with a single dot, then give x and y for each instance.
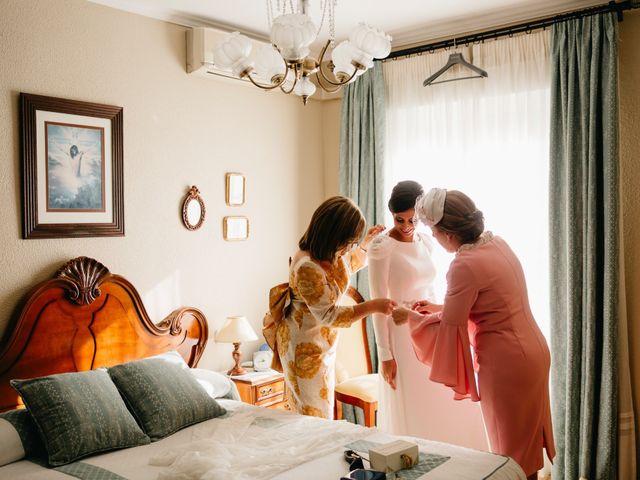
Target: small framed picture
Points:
(235, 191)
(235, 228)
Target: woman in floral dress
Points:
(318, 277)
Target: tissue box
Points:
(389, 457)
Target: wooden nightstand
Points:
(262, 390)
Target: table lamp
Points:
(236, 330)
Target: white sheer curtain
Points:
(486, 137)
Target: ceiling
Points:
(408, 21)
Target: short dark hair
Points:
(336, 223)
(461, 217)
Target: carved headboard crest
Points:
(83, 276)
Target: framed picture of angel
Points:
(71, 168)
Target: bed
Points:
(87, 326)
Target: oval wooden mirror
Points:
(193, 210)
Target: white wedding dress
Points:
(404, 272)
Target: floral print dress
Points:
(307, 336)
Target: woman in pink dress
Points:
(486, 307)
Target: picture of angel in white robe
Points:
(75, 167)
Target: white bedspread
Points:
(257, 443)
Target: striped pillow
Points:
(163, 397)
(79, 414)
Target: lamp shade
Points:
(292, 34)
(235, 330)
(369, 43)
(234, 53)
(269, 64)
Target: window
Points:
(486, 137)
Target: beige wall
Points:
(179, 130)
(331, 110)
(630, 173)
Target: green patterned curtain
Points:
(584, 246)
(361, 166)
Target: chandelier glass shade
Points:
(287, 64)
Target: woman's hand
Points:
(400, 315)
(382, 305)
(425, 306)
(371, 233)
(388, 369)
(378, 305)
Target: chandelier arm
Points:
(295, 81)
(336, 84)
(326, 88)
(324, 77)
(270, 87)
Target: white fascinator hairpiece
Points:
(430, 207)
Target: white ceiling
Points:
(407, 21)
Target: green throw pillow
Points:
(79, 414)
(162, 396)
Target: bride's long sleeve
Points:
(379, 260)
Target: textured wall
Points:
(331, 119)
(179, 130)
(630, 174)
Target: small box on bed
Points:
(393, 456)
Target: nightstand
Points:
(262, 389)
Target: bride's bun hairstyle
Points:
(404, 196)
(461, 217)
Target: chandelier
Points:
(287, 65)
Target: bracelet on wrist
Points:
(362, 248)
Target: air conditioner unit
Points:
(200, 44)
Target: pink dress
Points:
(486, 307)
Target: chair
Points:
(355, 383)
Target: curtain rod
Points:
(543, 23)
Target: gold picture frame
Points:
(235, 189)
(235, 228)
(193, 209)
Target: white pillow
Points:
(19, 437)
(216, 384)
(172, 356)
(11, 442)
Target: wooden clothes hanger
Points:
(455, 58)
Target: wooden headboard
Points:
(85, 318)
